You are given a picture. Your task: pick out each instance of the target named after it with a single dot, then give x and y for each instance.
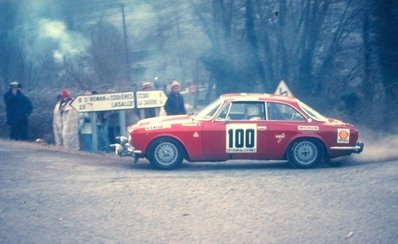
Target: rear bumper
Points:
(358, 148)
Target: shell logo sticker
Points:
(343, 135)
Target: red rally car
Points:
(243, 126)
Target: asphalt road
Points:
(50, 195)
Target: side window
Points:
(243, 111)
(280, 111)
(237, 111)
(255, 111)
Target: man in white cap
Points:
(175, 101)
(19, 107)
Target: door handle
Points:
(262, 127)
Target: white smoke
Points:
(69, 43)
(378, 146)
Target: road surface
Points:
(52, 195)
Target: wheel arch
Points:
(184, 150)
(305, 137)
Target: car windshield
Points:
(209, 111)
(312, 113)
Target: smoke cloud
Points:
(46, 35)
(378, 147)
(69, 43)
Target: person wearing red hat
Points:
(18, 107)
(63, 98)
(66, 122)
(175, 101)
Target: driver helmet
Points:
(253, 110)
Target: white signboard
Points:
(150, 99)
(104, 102)
(283, 90)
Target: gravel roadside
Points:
(52, 195)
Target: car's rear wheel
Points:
(165, 153)
(305, 153)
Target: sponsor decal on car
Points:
(157, 127)
(343, 135)
(279, 138)
(189, 124)
(308, 127)
(241, 138)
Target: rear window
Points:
(281, 111)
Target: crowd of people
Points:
(75, 130)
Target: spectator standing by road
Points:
(102, 131)
(175, 101)
(58, 122)
(18, 107)
(66, 122)
(86, 130)
(148, 112)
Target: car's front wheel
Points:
(305, 153)
(165, 153)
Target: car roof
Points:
(258, 96)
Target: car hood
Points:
(167, 120)
(336, 122)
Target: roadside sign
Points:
(150, 99)
(283, 90)
(103, 102)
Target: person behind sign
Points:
(18, 107)
(148, 112)
(102, 127)
(175, 101)
(85, 130)
(103, 131)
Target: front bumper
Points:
(358, 148)
(123, 148)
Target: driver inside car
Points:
(253, 112)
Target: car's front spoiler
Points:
(358, 148)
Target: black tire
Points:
(165, 153)
(305, 153)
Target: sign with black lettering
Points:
(104, 102)
(151, 99)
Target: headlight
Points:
(122, 139)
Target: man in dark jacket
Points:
(19, 107)
(175, 101)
